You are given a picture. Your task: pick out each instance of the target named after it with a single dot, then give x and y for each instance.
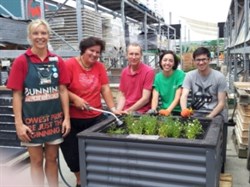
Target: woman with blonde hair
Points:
(40, 103)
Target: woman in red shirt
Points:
(88, 85)
(40, 103)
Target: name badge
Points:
(54, 58)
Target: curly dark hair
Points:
(176, 59)
(90, 42)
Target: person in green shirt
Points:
(167, 86)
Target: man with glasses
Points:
(207, 88)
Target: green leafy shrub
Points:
(150, 124)
(162, 126)
(114, 130)
(192, 129)
(136, 127)
(170, 127)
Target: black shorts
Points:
(70, 145)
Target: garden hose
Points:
(119, 122)
(61, 174)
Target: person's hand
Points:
(81, 104)
(151, 112)
(132, 113)
(186, 113)
(117, 112)
(125, 112)
(23, 133)
(66, 127)
(164, 112)
(209, 116)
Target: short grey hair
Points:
(135, 45)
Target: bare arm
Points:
(141, 102)
(184, 98)
(220, 106)
(108, 97)
(21, 129)
(65, 107)
(176, 99)
(121, 101)
(77, 101)
(155, 99)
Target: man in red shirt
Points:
(136, 83)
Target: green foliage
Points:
(114, 130)
(150, 124)
(177, 129)
(170, 127)
(129, 119)
(163, 130)
(162, 126)
(136, 127)
(212, 45)
(192, 129)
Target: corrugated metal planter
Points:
(121, 161)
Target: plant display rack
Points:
(9, 143)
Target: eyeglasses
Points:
(201, 60)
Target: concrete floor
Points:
(20, 177)
(236, 166)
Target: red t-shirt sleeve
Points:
(122, 83)
(63, 73)
(149, 80)
(17, 73)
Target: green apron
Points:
(42, 111)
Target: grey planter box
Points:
(118, 161)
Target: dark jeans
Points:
(70, 145)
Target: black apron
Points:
(42, 111)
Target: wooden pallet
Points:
(241, 132)
(244, 112)
(244, 124)
(242, 140)
(241, 149)
(243, 96)
(245, 109)
(243, 92)
(241, 85)
(226, 180)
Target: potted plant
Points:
(149, 159)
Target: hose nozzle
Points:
(119, 122)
